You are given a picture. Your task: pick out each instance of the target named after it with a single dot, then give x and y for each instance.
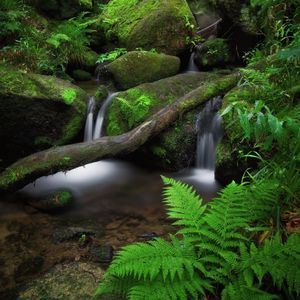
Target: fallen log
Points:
(67, 157)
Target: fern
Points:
(214, 250)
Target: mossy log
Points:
(67, 157)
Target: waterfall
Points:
(98, 130)
(88, 130)
(209, 133)
(192, 67)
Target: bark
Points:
(67, 157)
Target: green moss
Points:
(64, 197)
(70, 130)
(69, 95)
(135, 23)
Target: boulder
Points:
(212, 53)
(137, 67)
(163, 25)
(63, 9)
(37, 112)
(130, 108)
(174, 148)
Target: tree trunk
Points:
(67, 157)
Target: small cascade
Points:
(192, 67)
(209, 133)
(88, 130)
(98, 130)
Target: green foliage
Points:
(111, 55)
(214, 250)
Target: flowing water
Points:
(117, 202)
(192, 67)
(98, 131)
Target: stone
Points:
(137, 67)
(163, 25)
(102, 253)
(72, 281)
(29, 267)
(37, 112)
(70, 233)
(55, 201)
(212, 53)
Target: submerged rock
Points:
(37, 112)
(55, 201)
(163, 25)
(137, 67)
(73, 281)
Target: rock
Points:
(73, 281)
(71, 233)
(81, 75)
(55, 201)
(137, 67)
(174, 148)
(212, 53)
(130, 108)
(63, 9)
(205, 20)
(37, 112)
(29, 267)
(102, 254)
(163, 25)
(89, 61)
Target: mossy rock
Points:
(37, 112)
(55, 201)
(81, 75)
(73, 281)
(212, 53)
(163, 25)
(130, 108)
(63, 9)
(89, 61)
(137, 67)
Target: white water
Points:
(98, 131)
(89, 123)
(192, 67)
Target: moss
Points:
(70, 130)
(129, 70)
(81, 75)
(148, 24)
(63, 197)
(69, 95)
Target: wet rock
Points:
(146, 236)
(38, 112)
(55, 201)
(74, 281)
(102, 254)
(29, 267)
(137, 67)
(71, 233)
(163, 25)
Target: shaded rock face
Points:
(163, 25)
(73, 281)
(212, 53)
(37, 112)
(137, 67)
(63, 9)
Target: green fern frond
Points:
(183, 289)
(148, 260)
(184, 205)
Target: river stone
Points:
(163, 25)
(73, 281)
(55, 201)
(81, 75)
(37, 112)
(137, 67)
